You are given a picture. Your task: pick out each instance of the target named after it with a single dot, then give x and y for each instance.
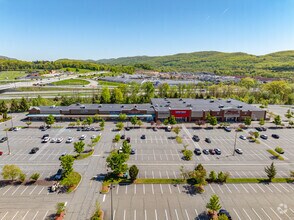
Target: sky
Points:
(98, 29)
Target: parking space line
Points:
(126, 191)
(4, 216)
(144, 189)
(290, 186)
(220, 189)
(6, 190)
(275, 213)
(177, 214)
(33, 190)
(161, 188)
(154, 157)
(152, 188)
(244, 188)
(236, 187)
(179, 189)
(15, 215)
(228, 188)
(175, 174)
(276, 188)
(169, 189)
(152, 174)
(197, 218)
(24, 190)
(145, 214)
(211, 188)
(166, 216)
(160, 176)
(268, 188)
(135, 189)
(247, 214)
(251, 187)
(256, 213)
(145, 174)
(15, 190)
(114, 214)
(236, 214)
(291, 210)
(117, 188)
(25, 215)
(260, 188)
(188, 218)
(284, 187)
(124, 214)
(266, 214)
(135, 214)
(167, 174)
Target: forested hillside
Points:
(280, 64)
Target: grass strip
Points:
(278, 156)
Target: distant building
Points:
(186, 110)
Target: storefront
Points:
(181, 115)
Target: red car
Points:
(1, 153)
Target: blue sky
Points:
(96, 29)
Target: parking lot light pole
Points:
(8, 147)
(235, 143)
(111, 201)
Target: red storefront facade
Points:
(185, 115)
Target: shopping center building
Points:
(186, 110)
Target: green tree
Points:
(292, 174)
(277, 120)
(22, 177)
(139, 123)
(105, 95)
(117, 162)
(223, 177)
(78, 122)
(3, 107)
(148, 89)
(134, 120)
(270, 171)
(248, 82)
(126, 148)
(177, 130)
(222, 217)
(117, 96)
(212, 176)
(28, 123)
(79, 147)
(289, 114)
(122, 117)
(50, 120)
(35, 176)
(67, 164)
(187, 154)
(166, 122)
(213, 121)
(102, 124)
(71, 180)
(14, 107)
(11, 172)
(23, 105)
(172, 120)
(213, 205)
(133, 171)
(119, 126)
(89, 120)
(261, 122)
(247, 121)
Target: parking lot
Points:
(243, 201)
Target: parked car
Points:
(69, 140)
(128, 139)
(275, 136)
(133, 151)
(224, 212)
(195, 138)
(58, 175)
(93, 136)
(122, 137)
(46, 140)
(120, 151)
(168, 128)
(264, 136)
(154, 128)
(239, 151)
(217, 151)
(1, 153)
(211, 151)
(258, 128)
(83, 137)
(59, 140)
(128, 128)
(34, 150)
(197, 151)
(205, 151)
(227, 129)
(143, 136)
(3, 139)
(45, 135)
(53, 140)
(263, 129)
(78, 129)
(207, 140)
(243, 137)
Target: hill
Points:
(279, 64)
(6, 58)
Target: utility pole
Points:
(111, 201)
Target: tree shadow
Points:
(189, 189)
(202, 216)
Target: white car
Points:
(16, 129)
(53, 140)
(69, 140)
(243, 137)
(83, 137)
(239, 151)
(93, 136)
(59, 140)
(46, 140)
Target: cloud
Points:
(225, 11)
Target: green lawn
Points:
(106, 83)
(11, 75)
(75, 70)
(71, 82)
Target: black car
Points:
(197, 151)
(133, 151)
(275, 136)
(205, 151)
(128, 139)
(122, 137)
(263, 128)
(58, 175)
(195, 138)
(207, 140)
(34, 150)
(3, 139)
(212, 151)
(258, 128)
(127, 128)
(45, 136)
(217, 151)
(225, 212)
(227, 129)
(143, 136)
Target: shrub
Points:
(212, 176)
(133, 171)
(116, 138)
(35, 176)
(279, 150)
(256, 134)
(187, 154)
(179, 140)
(97, 213)
(22, 177)
(60, 207)
(223, 177)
